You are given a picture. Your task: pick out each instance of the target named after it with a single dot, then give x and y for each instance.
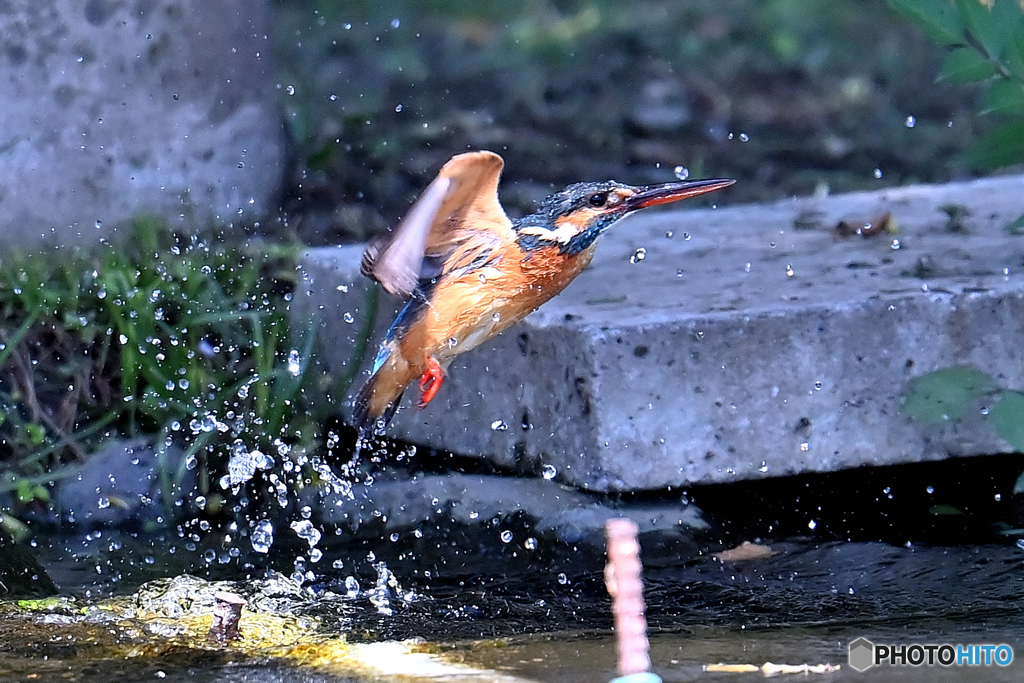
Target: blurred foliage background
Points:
(787, 96)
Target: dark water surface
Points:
(805, 604)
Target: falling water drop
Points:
(262, 536)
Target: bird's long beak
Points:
(652, 195)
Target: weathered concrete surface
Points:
(113, 109)
(760, 344)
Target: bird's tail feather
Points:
(363, 420)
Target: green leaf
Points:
(1016, 227)
(1007, 417)
(1003, 97)
(36, 433)
(982, 26)
(966, 65)
(937, 19)
(945, 395)
(1019, 486)
(1009, 15)
(1003, 146)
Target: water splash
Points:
(262, 536)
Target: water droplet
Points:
(496, 317)
(394, 537)
(804, 447)
(789, 271)
(817, 386)
(929, 489)
(452, 342)
(686, 236)
(395, 23)
(549, 471)
(530, 543)
(910, 122)
(506, 536)
(294, 364)
(681, 172)
(351, 587)
(563, 579)
(763, 468)
(348, 317)
(746, 267)
(895, 244)
(290, 90)
(305, 530)
(744, 137)
(103, 503)
(639, 255)
(398, 108)
(262, 536)
(812, 524)
(499, 426)
(878, 173)
(669, 234)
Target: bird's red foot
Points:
(430, 382)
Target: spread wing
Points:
(460, 203)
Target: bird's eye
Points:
(598, 199)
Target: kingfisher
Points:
(469, 271)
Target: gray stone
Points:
(759, 344)
(558, 512)
(115, 109)
(125, 481)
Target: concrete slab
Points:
(721, 344)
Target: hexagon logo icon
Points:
(862, 654)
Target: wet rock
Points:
(494, 516)
(124, 482)
(112, 110)
(20, 575)
(750, 342)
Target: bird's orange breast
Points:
(467, 310)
